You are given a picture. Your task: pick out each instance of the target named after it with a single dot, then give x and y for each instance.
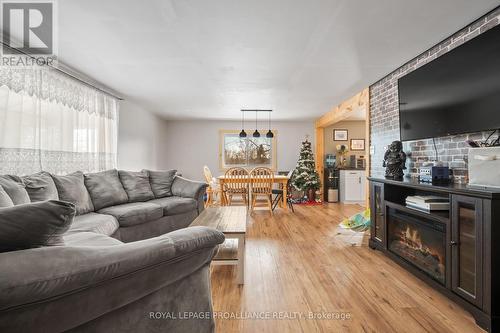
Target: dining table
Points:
(282, 180)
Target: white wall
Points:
(195, 143)
(141, 137)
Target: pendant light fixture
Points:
(243, 134)
(269, 134)
(256, 134)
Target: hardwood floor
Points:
(296, 264)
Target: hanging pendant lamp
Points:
(256, 134)
(269, 134)
(243, 134)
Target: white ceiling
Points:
(210, 58)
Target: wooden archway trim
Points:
(339, 113)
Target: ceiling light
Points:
(269, 134)
(243, 134)
(256, 134)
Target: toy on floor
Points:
(357, 222)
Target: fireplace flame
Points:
(413, 238)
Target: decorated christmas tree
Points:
(305, 176)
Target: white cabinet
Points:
(352, 185)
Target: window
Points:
(247, 152)
(54, 123)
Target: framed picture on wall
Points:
(340, 135)
(357, 144)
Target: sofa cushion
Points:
(176, 205)
(89, 239)
(93, 222)
(137, 186)
(15, 188)
(134, 213)
(5, 200)
(35, 224)
(105, 189)
(161, 182)
(40, 187)
(71, 188)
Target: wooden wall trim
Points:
(345, 109)
(367, 146)
(319, 156)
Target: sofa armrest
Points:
(186, 188)
(43, 274)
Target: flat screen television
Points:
(458, 92)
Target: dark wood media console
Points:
(457, 251)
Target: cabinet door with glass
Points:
(377, 208)
(466, 248)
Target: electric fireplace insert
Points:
(419, 241)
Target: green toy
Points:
(358, 222)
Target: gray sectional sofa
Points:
(128, 264)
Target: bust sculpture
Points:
(394, 161)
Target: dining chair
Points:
(213, 189)
(236, 183)
(262, 185)
(279, 193)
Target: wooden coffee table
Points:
(232, 222)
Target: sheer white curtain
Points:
(51, 122)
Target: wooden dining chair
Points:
(236, 183)
(262, 185)
(279, 193)
(213, 189)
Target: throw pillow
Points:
(40, 187)
(5, 200)
(35, 224)
(137, 186)
(105, 189)
(161, 182)
(71, 188)
(15, 188)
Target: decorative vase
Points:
(311, 195)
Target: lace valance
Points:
(48, 84)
